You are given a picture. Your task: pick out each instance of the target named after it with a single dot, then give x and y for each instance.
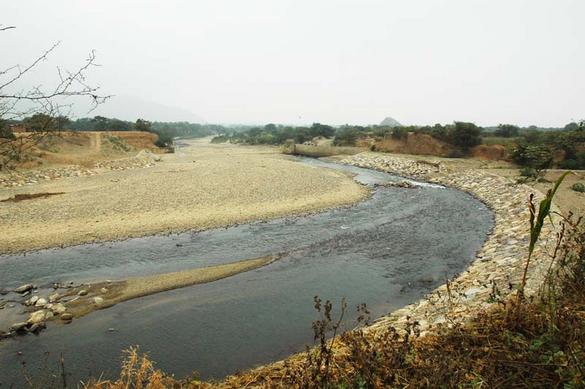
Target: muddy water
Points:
(386, 251)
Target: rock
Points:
(38, 316)
(66, 316)
(37, 327)
(54, 297)
(58, 308)
(32, 300)
(41, 302)
(24, 288)
(98, 301)
(104, 290)
(18, 327)
(82, 292)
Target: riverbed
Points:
(386, 251)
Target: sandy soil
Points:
(199, 187)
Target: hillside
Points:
(390, 122)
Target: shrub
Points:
(578, 187)
(399, 133)
(529, 172)
(465, 135)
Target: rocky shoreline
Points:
(497, 269)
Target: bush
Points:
(528, 172)
(399, 133)
(578, 187)
(465, 135)
(345, 137)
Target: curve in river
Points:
(387, 251)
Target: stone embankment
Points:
(497, 269)
(31, 177)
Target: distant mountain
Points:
(131, 108)
(390, 122)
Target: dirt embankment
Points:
(424, 144)
(82, 148)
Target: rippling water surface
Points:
(386, 251)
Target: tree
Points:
(534, 156)
(5, 131)
(142, 125)
(17, 102)
(507, 131)
(465, 135)
(572, 126)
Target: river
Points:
(386, 251)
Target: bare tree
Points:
(47, 105)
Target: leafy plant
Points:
(578, 187)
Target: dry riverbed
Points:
(201, 186)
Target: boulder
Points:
(58, 308)
(37, 327)
(17, 327)
(98, 301)
(24, 288)
(54, 297)
(41, 302)
(32, 300)
(66, 316)
(38, 317)
(82, 292)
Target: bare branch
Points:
(22, 72)
(6, 28)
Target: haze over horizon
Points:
(302, 61)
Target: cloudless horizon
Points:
(335, 62)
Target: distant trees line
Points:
(166, 131)
(533, 147)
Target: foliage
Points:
(5, 131)
(142, 125)
(534, 156)
(465, 135)
(578, 187)
(272, 134)
(399, 133)
(346, 136)
(507, 131)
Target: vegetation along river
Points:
(386, 251)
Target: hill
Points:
(390, 122)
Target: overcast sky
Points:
(329, 61)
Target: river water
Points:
(386, 252)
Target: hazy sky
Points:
(329, 61)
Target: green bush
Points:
(578, 187)
(529, 173)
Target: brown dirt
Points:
(86, 147)
(419, 144)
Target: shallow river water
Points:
(386, 251)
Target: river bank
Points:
(201, 186)
(491, 278)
